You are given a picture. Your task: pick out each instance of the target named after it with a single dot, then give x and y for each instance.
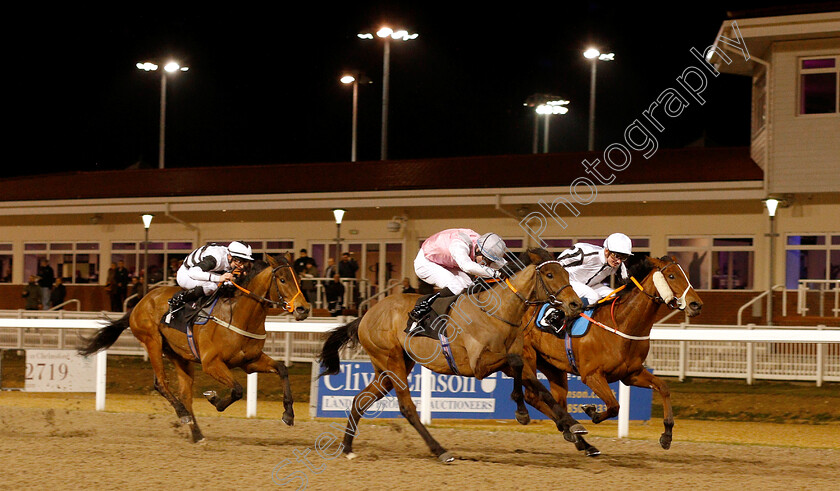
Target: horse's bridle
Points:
(288, 306)
(661, 284)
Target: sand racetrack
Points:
(57, 444)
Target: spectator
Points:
(135, 288)
(303, 261)
(121, 279)
(348, 266)
(32, 294)
(334, 292)
(58, 293)
(407, 288)
(47, 278)
(309, 285)
(331, 270)
(111, 288)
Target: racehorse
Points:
(233, 337)
(484, 336)
(615, 345)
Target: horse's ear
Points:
(288, 257)
(534, 257)
(271, 261)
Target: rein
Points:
(288, 306)
(552, 298)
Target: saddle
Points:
(427, 326)
(553, 321)
(191, 313)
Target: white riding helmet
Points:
(619, 243)
(240, 250)
(493, 248)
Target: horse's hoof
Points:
(523, 417)
(186, 420)
(592, 452)
(590, 410)
(578, 429)
(446, 457)
(210, 395)
(289, 419)
(567, 435)
(665, 442)
(202, 441)
(350, 456)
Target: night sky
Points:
(263, 81)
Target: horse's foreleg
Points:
(216, 368)
(266, 364)
(651, 381)
(489, 362)
(516, 364)
(553, 404)
(601, 388)
(185, 371)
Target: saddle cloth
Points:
(544, 317)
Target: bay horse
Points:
(482, 341)
(233, 337)
(615, 346)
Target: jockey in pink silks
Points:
(448, 258)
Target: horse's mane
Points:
(524, 260)
(256, 268)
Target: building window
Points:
(719, 263)
(6, 263)
(164, 258)
(811, 257)
(818, 89)
(75, 262)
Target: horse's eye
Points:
(282, 280)
(550, 275)
(670, 276)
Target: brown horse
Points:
(484, 336)
(615, 346)
(234, 337)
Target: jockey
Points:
(589, 266)
(206, 267)
(447, 258)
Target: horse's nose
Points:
(696, 306)
(301, 311)
(575, 307)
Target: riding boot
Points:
(185, 296)
(424, 306)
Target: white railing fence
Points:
(789, 353)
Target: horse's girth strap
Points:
(236, 329)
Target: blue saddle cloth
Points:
(579, 327)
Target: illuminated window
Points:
(818, 90)
(719, 263)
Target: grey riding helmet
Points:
(492, 247)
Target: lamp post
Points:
(147, 222)
(594, 56)
(354, 79)
(545, 105)
(386, 33)
(170, 67)
(773, 204)
(338, 213)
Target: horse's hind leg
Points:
(398, 369)
(266, 364)
(185, 371)
(375, 390)
(651, 381)
(154, 347)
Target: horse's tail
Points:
(105, 337)
(337, 339)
